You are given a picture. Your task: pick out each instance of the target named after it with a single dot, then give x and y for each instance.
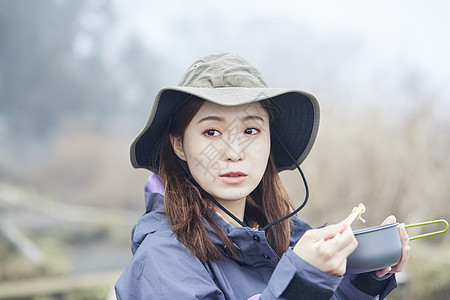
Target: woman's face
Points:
(226, 148)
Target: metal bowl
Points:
(378, 247)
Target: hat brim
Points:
(296, 121)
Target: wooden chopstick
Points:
(355, 214)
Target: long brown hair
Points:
(186, 208)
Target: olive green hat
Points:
(229, 80)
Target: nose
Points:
(232, 152)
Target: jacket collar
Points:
(252, 244)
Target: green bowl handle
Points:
(427, 223)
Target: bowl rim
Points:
(374, 228)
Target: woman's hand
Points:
(405, 250)
(331, 255)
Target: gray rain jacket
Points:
(163, 268)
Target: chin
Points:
(233, 196)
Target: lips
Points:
(233, 177)
(233, 174)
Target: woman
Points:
(218, 222)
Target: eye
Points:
(211, 132)
(251, 131)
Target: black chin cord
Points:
(204, 193)
(304, 182)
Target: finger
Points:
(347, 242)
(402, 263)
(342, 246)
(405, 250)
(389, 220)
(333, 255)
(330, 231)
(403, 235)
(382, 272)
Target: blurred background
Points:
(77, 81)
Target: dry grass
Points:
(89, 166)
(391, 168)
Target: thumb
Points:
(330, 231)
(389, 220)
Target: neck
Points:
(236, 207)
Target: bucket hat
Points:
(228, 79)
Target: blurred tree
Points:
(139, 71)
(52, 62)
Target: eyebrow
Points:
(222, 119)
(211, 118)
